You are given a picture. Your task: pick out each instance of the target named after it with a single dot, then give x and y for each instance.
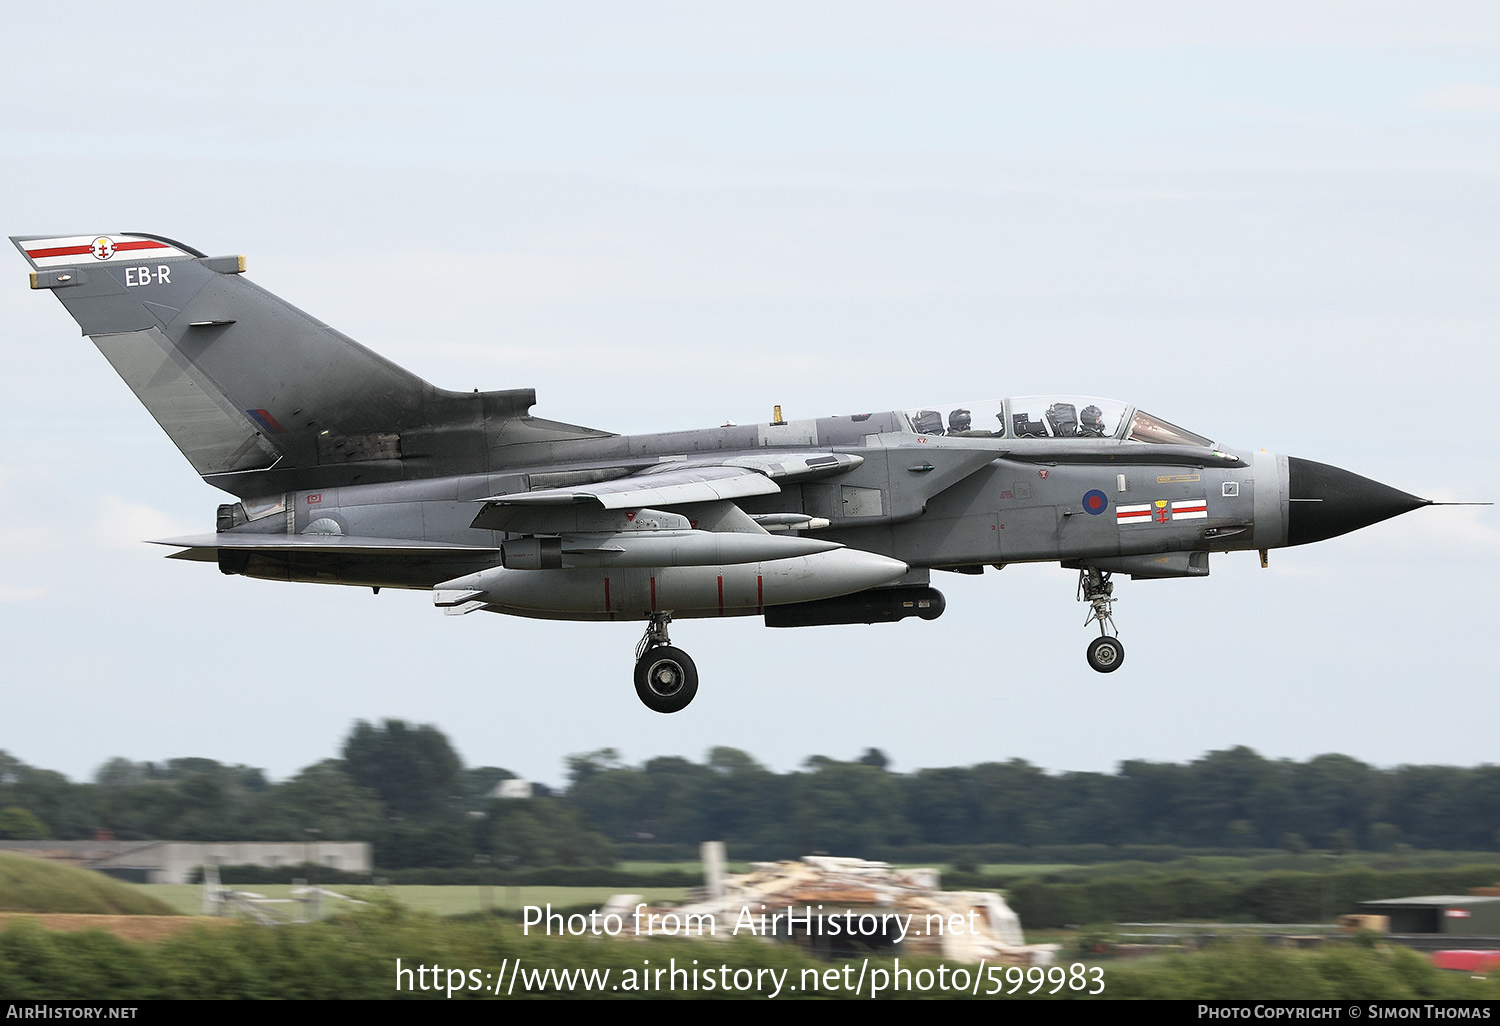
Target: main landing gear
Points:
(666, 678)
(1105, 652)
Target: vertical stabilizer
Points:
(241, 380)
(259, 396)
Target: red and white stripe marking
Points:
(73, 250)
(1152, 512)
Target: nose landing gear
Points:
(666, 678)
(1105, 653)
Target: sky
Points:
(1274, 224)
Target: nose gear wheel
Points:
(1106, 652)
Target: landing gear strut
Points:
(1105, 653)
(666, 678)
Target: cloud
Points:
(1459, 98)
(124, 525)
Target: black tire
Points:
(666, 679)
(1106, 654)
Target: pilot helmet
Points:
(959, 420)
(1093, 418)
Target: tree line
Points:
(1227, 799)
(403, 788)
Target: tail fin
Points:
(258, 395)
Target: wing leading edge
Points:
(674, 483)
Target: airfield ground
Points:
(131, 928)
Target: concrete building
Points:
(1453, 915)
(176, 861)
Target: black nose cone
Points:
(1327, 502)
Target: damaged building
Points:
(844, 907)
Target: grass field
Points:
(1006, 868)
(35, 885)
(459, 900)
(187, 899)
(695, 868)
(1026, 868)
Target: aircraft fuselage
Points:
(351, 470)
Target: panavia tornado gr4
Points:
(350, 470)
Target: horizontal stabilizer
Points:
(205, 547)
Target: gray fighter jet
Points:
(350, 470)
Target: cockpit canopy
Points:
(1034, 416)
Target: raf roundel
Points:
(1095, 502)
